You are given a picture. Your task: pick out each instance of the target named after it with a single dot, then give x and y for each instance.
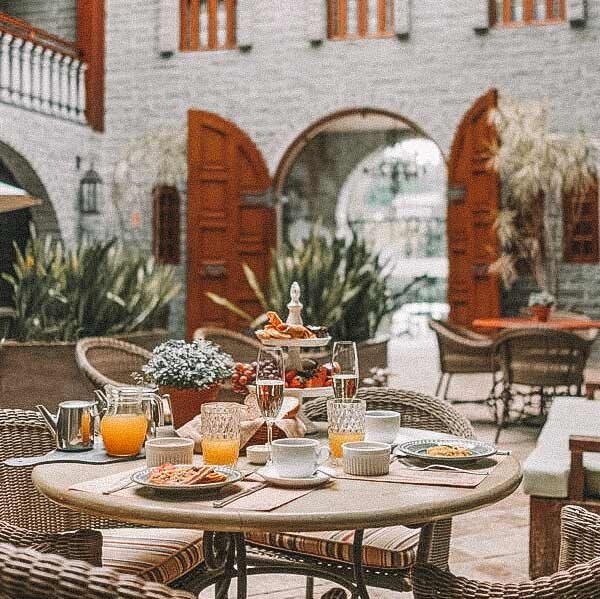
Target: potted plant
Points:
(191, 373)
(541, 305)
(59, 295)
(346, 287)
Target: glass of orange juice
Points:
(345, 423)
(220, 428)
(124, 427)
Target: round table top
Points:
(564, 324)
(344, 505)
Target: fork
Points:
(442, 467)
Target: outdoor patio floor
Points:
(490, 544)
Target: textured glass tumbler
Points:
(345, 423)
(220, 428)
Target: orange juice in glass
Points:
(220, 428)
(345, 423)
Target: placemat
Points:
(265, 500)
(399, 473)
(97, 455)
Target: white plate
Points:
(309, 391)
(272, 477)
(314, 342)
(141, 478)
(418, 449)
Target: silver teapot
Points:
(73, 425)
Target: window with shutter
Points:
(580, 230)
(527, 12)
(354, 19)
(165, 221)
(208, 24)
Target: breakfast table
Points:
(343, 504)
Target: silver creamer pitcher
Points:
(73, 426)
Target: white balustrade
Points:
(41, 73)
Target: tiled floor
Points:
(489, 544)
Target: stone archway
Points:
(43, 216)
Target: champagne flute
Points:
(345, 370)
(270, 377)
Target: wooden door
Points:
(473, 203)
(230, 220)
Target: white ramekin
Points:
(258, 454)
(169, 450)
(366, 458)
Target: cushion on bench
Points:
(546, 470)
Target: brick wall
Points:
(285, 83)
(58, 17)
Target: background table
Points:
(562, 324)
(346, 505)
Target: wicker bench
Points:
(563, 469)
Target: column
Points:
(73, 81)
(26, 52)
(46, 80)
(36, 77)
(15, 71)
(5, 41)
(65, 68)
(81, 99)
(55, 105)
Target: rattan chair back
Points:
(241, 347)
(29, 574)
(108, 361)
(462, 351)
(416, 410)
(541, 357)
(24, 434)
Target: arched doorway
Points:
(16, 171)
(230, 220)
(382, 176)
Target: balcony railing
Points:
(40, 71)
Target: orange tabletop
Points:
(564, 324)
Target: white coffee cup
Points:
(382, 426)
(169, 450)
(298, 458)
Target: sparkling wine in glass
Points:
(345, 370)
(270, 376)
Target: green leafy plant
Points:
(97, 288)
(345, 286)
(196, 365)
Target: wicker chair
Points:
(107, 361)
(578, 576)
(31, 574)
(546, 361)
(162, 555)
(316, 549)
(461, 352)
(241, 347)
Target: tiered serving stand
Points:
(294, 357)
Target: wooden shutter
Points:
(473, 202)
(580, 227)
(165, 223)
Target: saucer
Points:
(270, 474)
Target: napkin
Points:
(251, 423)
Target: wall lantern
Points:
(90, 191)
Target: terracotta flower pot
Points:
(186, 403)
(541, 313)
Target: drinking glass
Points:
(220, 428)
(270, 377)
(345, 423)
(345, 370)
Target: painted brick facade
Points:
(284, 83)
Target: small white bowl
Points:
(257, 454)
(169, 450)
(366, 458)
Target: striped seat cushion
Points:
(392, 547)
(156, 554)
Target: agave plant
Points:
(97, 288)
(345, 285)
